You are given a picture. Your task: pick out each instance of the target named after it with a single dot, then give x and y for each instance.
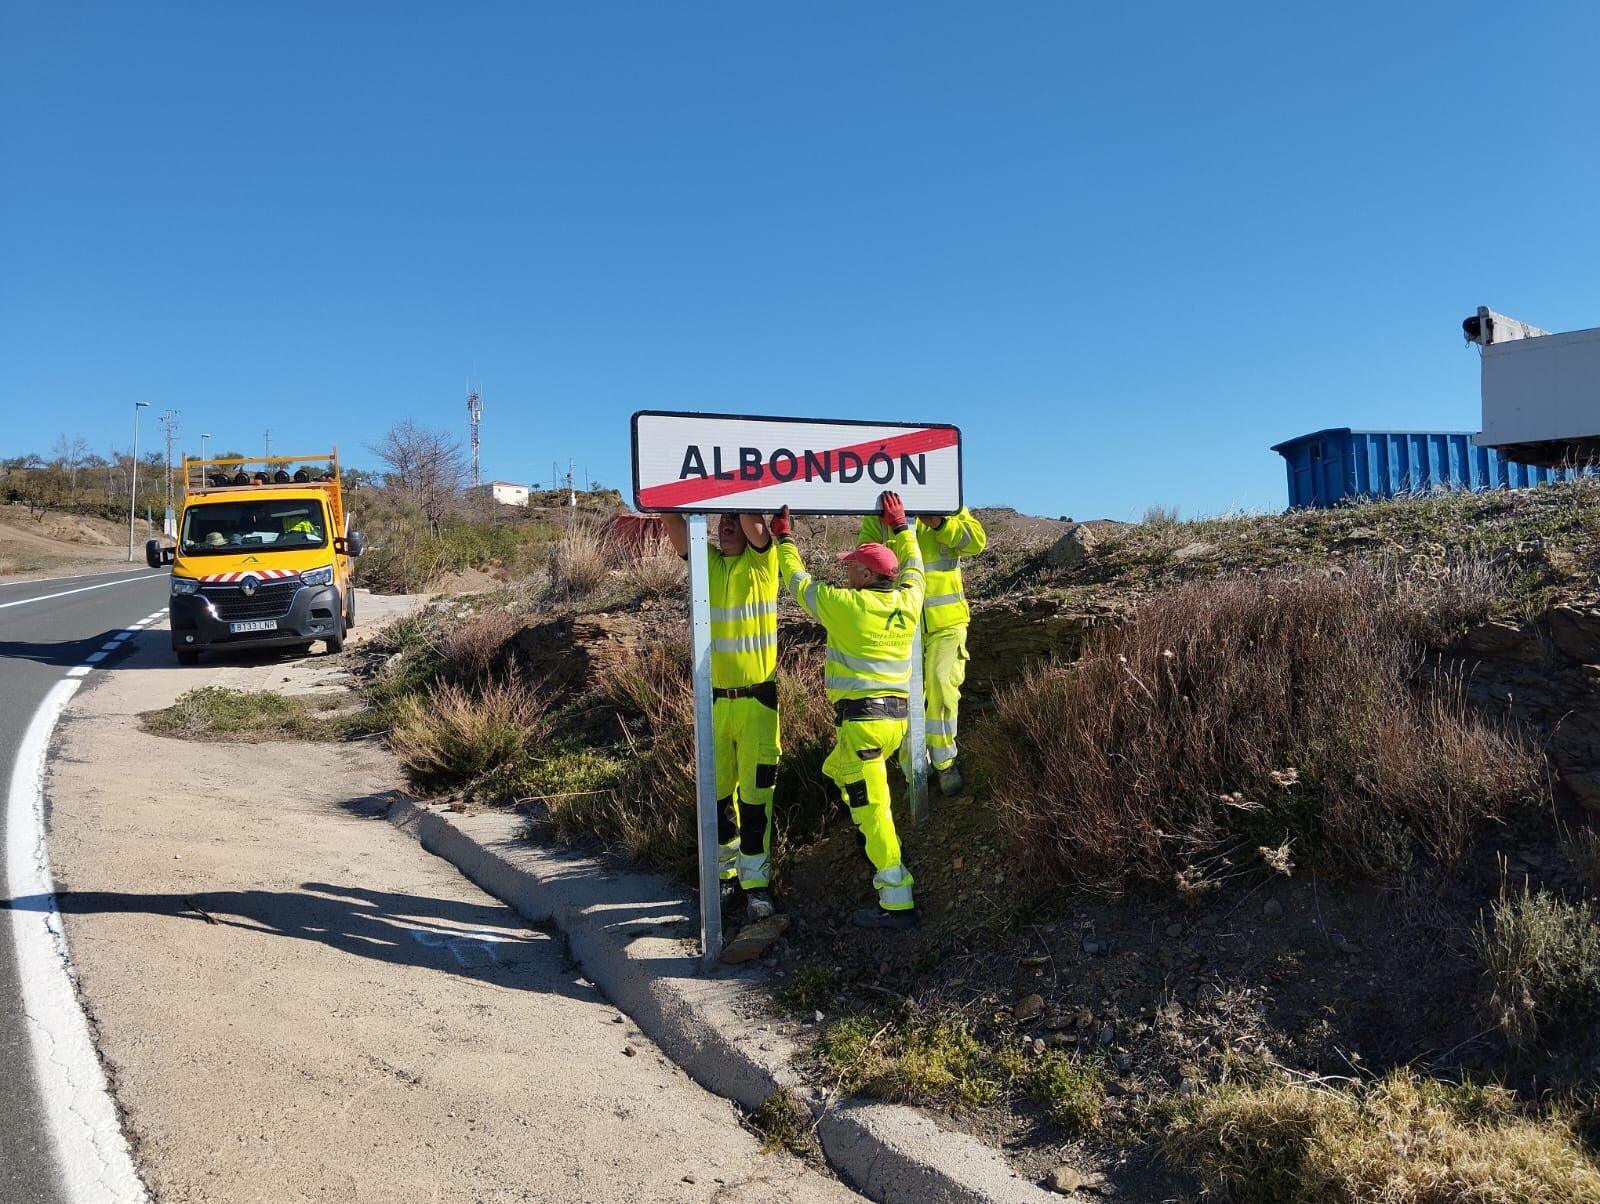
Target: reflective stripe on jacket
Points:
(870, 631)
(942, 551)
(744, 616)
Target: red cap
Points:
(876, 557)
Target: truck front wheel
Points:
(335, 642)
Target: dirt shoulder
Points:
(296, 1003)
(59, 544)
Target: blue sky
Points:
(1125, 250)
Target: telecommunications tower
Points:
(474, 419)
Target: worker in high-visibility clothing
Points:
(742, 565)
(867, 675)
(944, 540)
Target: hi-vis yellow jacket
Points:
(870, 631)
(942, 551)
(744, 617)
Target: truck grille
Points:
(272, 600)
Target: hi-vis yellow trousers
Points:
(858, 764)
(745, 738)
(944, 669)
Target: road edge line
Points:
(92, 1154)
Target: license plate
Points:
(254, 625)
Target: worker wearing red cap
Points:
(743, 575)
(871, 627)
(944, 540)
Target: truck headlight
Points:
(184, 585)
(322, 576)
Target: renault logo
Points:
(248, 587)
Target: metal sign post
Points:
(917, 736)
(704, 751)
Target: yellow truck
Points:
(264, 556)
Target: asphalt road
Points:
(46, 628)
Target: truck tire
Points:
(350, 608)
(335, 642)
(187, 656)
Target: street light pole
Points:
(203, 437)
(133, 474)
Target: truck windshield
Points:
(265, 525)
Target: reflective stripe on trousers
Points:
(894, 888)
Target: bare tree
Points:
(425, 465)
(69, 453)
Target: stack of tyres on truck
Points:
(264, 556)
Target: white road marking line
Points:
(74, 577)
(79, 671)
(93, 657)
(91, 1153)
(82, 589)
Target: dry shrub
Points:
(1402, 1140)
(1237, 713)
(474, 648)
(656, 571)
(578, 563)
(1541, 959)
(649, 811)
(454, 737)
(1583, 851)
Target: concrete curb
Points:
(634, 934)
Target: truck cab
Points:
(264, 557)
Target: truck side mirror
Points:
(352, 544)
(152, 553)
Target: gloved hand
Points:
(780, 526)
(892, 510)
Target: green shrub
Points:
(812, 989)
(909, 1059)
(1541, 958)
(1070, 1088)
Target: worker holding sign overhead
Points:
(871, 628)
(744, 711)
(944, 540)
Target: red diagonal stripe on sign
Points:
(703, 489)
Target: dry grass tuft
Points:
(1238, 713)
(578, 565)
(1541, 956)
(657, 571)
(474, 648)
(1583, 851)
(454, 737)
(1402, 1140)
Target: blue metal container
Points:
(1327, 467)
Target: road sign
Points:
(722, 463)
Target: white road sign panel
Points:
(717, 463)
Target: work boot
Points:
(879, 917)
(757, 905)
(950, 781)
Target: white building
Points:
(504, 492)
